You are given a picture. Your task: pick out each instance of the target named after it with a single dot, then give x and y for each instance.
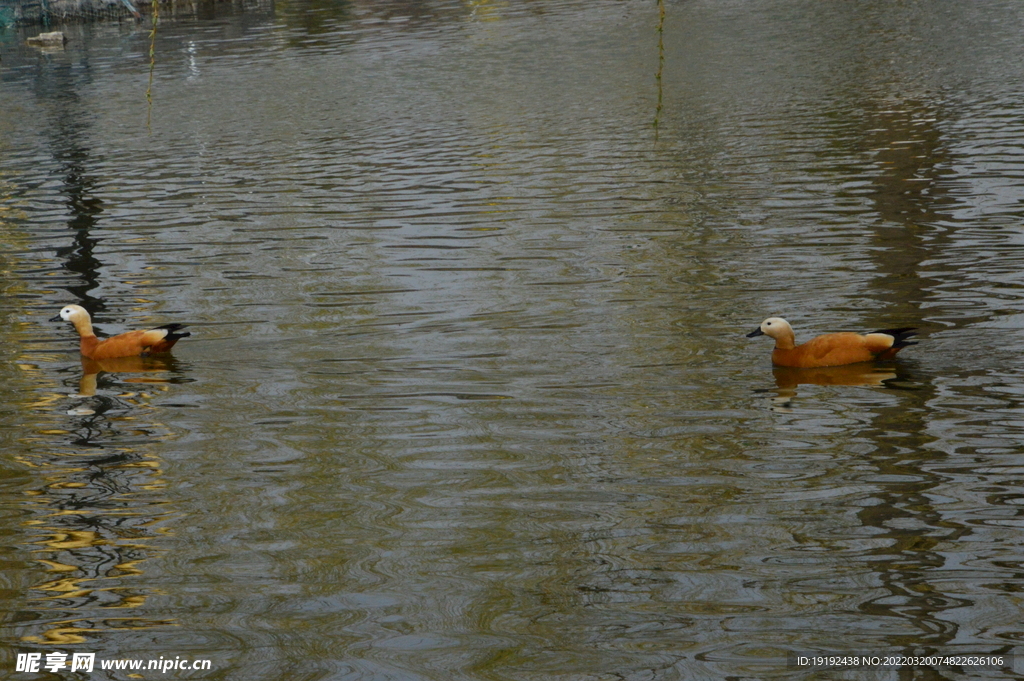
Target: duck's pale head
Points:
(774, 327)
(73, 313)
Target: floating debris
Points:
(52, 39)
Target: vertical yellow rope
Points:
(155, 4)
(661, 64)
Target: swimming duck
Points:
(831, 349)
(132, 343)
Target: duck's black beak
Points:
(755, 333)
(57, 318)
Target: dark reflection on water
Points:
(67, 131)
(467, 394)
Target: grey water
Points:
(468, 394)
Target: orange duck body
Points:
(130, 344)
(831, 349)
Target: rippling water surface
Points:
(467, 395)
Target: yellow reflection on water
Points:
(68, 631)
(95, 513)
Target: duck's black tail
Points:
(172, 332)
(900, 335)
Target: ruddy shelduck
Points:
(130, 344)
(831, 349)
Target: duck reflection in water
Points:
(92, 368)
(865, 374)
